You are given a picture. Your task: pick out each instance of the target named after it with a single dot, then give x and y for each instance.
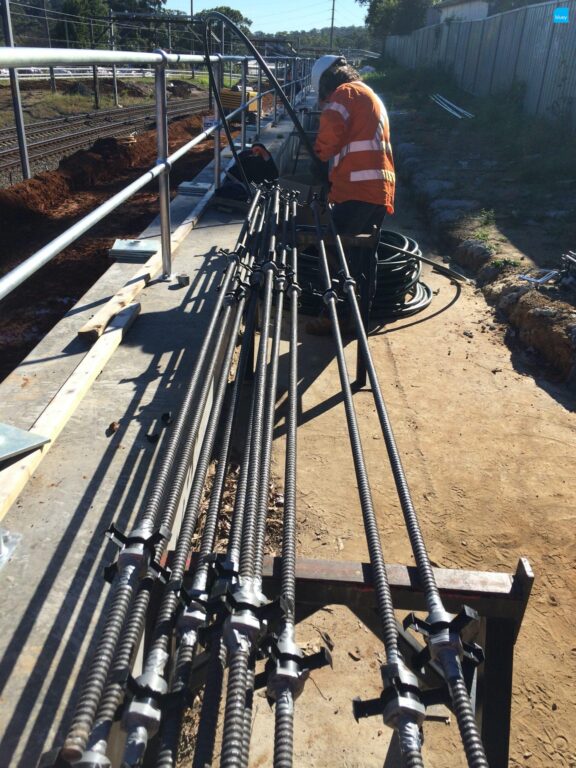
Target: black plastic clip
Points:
(149, 542)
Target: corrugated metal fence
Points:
(488, 56)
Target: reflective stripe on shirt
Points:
(373, 175)
(366, 145)
(338, 108)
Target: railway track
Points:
(61, 136)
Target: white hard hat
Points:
(320, 66)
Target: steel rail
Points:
(394, 670)
(105, 129)
(23, 271)
(135, 558)
(444, 645)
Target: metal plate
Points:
(15, 442)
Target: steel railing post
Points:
(16, 99)
(217, 155)
(259, 102)
(275, 95)
(244, 87)
(164, 178)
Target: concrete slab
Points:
(53, 593)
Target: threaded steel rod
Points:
(128, 578)
(462, 705)
(284, 729)
(421, 557)
(381, 585)
(269, 414)
(233, 736)
(248, 549)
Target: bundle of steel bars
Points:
(212, 618)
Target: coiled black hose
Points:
(400, 292)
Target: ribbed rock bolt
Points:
(187, 645)
(268, 433)
(284, 729)
(421, 557)
(248, 548)
(462, 706)
(233, 738)
(248, 705)
(467, 725)
(410, 744)
(89, 699)
(169, 464)
(380, 578)
(114, 690)
(158, 652)
(289, 531)
(206, 736)
(128, 577)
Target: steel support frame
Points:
(499, 598)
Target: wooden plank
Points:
(93, 328)
(55, 416)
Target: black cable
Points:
(400, 291)
(249, 45)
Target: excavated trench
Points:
(33, 212)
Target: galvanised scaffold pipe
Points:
(135, 557)
(444, 646)
(406, 720)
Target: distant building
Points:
(457, 10)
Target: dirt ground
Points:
(488, 450)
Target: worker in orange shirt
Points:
(354, 140)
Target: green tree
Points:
(394, 17)
(238, 18)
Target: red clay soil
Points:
(34, 212)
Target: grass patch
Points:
(520, 141)
(504, 263)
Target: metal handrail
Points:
(15, 57)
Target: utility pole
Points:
(15, 87)
(332, 24)
(49, 39)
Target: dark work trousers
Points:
(355, 217)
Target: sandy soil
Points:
(488, 450)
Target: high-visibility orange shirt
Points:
(354, 136)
